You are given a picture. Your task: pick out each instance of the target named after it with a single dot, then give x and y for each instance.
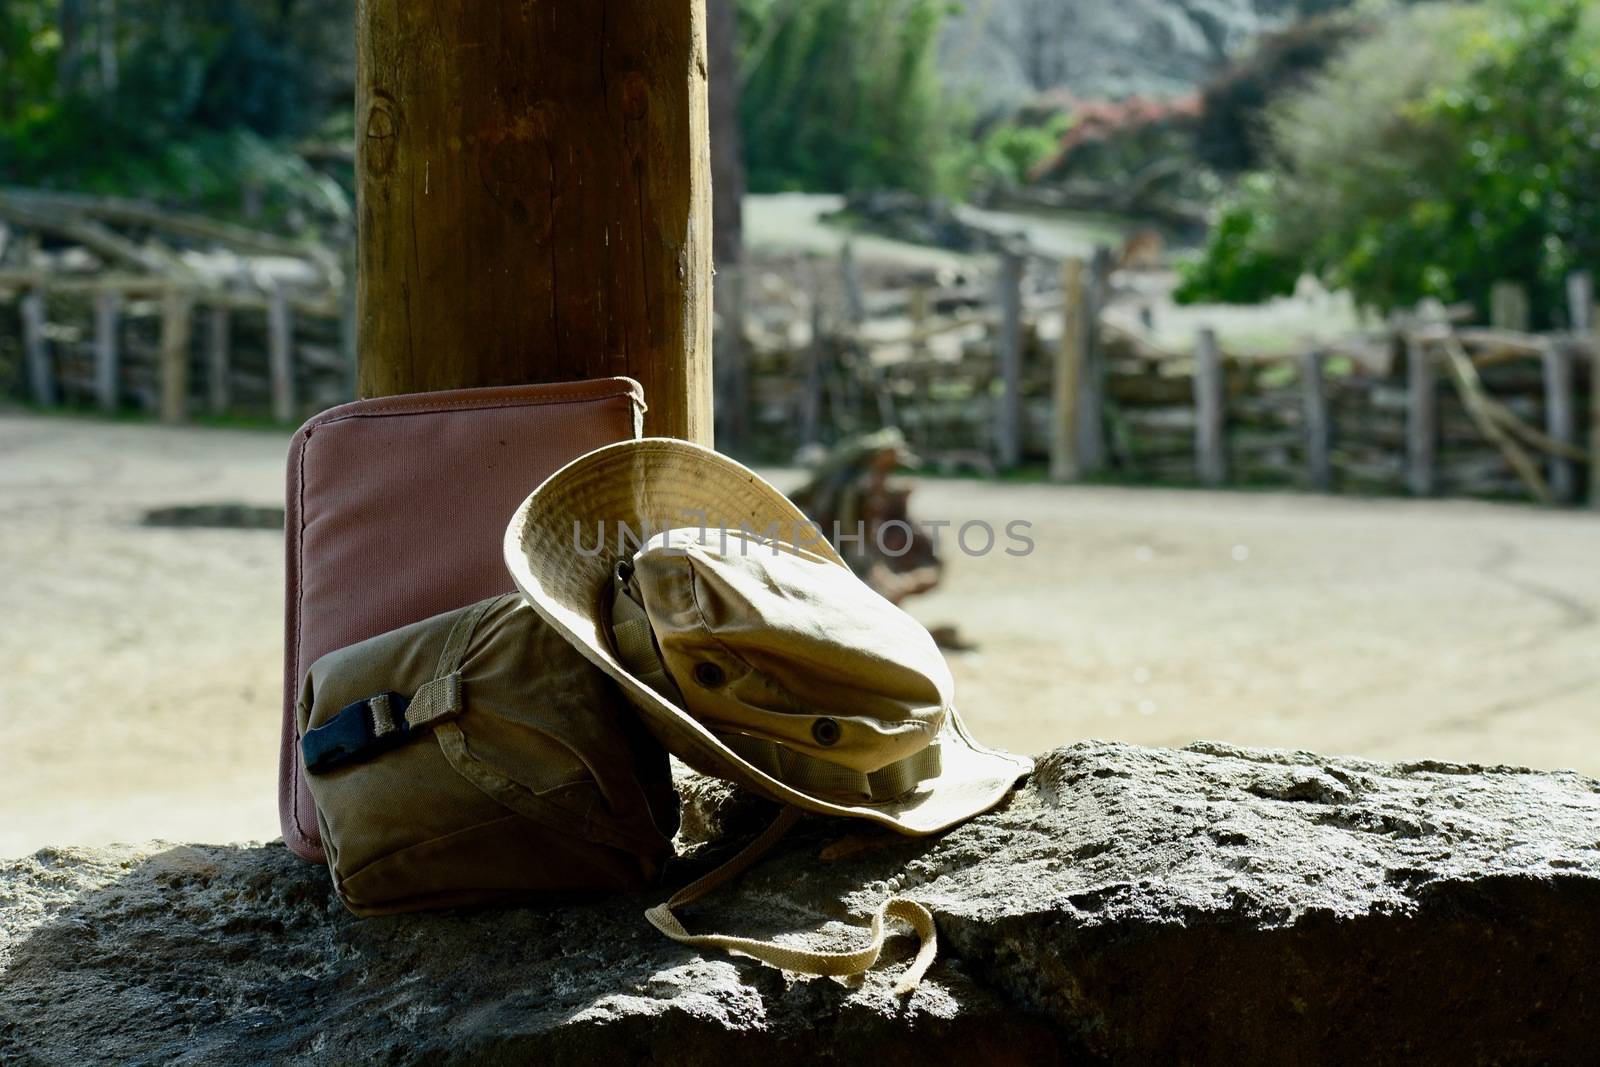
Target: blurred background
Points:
(1274, 320)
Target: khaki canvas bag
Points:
(477, 758)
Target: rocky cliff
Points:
(1004, 51)
(1207, 904)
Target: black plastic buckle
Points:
(352, 735)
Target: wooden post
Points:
(280, 353)
(1210, 408)
(535, 195)
(36, 349)
(1594, 408)
(1065, 465)
(1319, 432)
(921, 367)
(1092, 383)
(1561, 419)
(811, 405)
(1580, 302)
(1422, 416)
(348, 327)
(1585, 320)
(1508, 307)
(850, 273)
(177, 314)
(107, 334)
(219, 359)
(732, 374)
(1008, 421)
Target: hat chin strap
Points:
(636, 649)
(845, 963)
(635, 646)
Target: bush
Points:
(1009, 152)
(183, 100)
(1459, 147)
(843, 95)
(1241, 264)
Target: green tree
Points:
(1459, 147)
(843, 94)
(187, 100)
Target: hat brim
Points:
(550, 549)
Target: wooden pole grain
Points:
(535, 201)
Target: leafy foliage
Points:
(1243, 263)
(190, 100)
(1458, 148)
(1009, 151)
(842, 95)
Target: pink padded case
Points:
(396, 509)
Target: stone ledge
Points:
(1211, 904)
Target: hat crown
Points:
(771, 642)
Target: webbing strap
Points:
(636, 641)
(788, 957)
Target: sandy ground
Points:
(141, 695)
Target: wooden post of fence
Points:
(1092, 380)
(36, 350)
(850, 274)
(1508, 307)
(280, 353)
(219, 359)
(730, 365)
(1585, 320)
(1008, 423)
(1580, 302)
(1319, 431)
(1065, 462)
(1422, 415)
(1560, 416)
(107, 357)
(177, 314)
(921, 367)
(1211, 459)
(1594, 410)
(811, 403)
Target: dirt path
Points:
(141, 695)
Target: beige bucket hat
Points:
(747, 644)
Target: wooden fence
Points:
(989, 380)
(118, 306)
(114, 305)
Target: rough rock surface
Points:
(1208, 904)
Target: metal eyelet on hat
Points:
(826, 732)
(709, 675)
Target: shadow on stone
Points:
(1128, 905)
